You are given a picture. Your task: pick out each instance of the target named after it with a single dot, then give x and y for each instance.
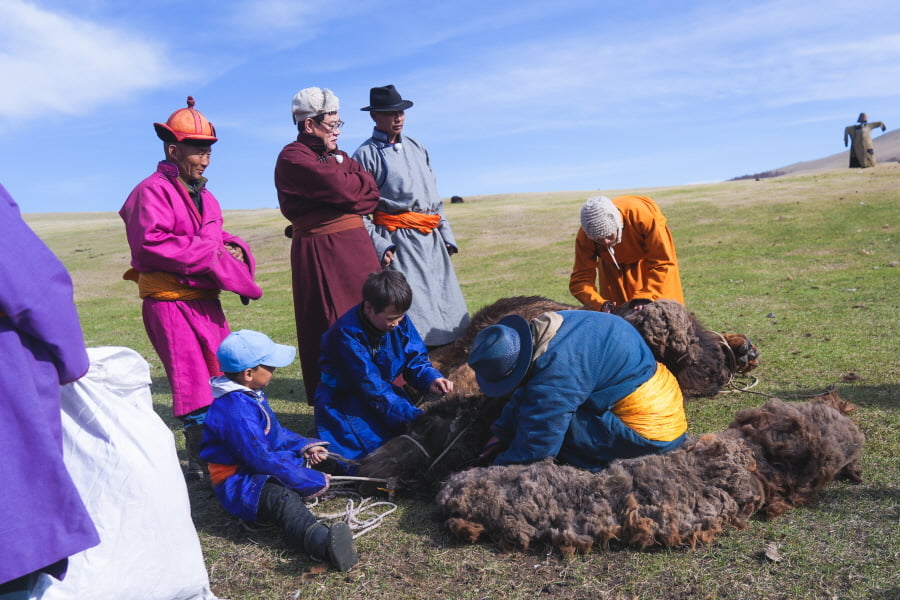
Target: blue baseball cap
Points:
(501, 355)
(246, 349)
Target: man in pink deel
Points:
(182, 260)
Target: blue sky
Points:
(510, 96)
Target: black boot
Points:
(196, 467)
(333, 544)
(286, 509)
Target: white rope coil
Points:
(362, 517)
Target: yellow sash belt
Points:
(408, 220)
(656, 409)
(165, 286)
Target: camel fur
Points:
(703, 361)
(768, 460)
(446, 438)
(452, 431)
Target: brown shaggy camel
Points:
(703, 361)
(451, 433)
(769, 460)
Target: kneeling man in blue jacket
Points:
(585, 390)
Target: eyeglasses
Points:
(332, 126)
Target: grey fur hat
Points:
(313, 101)
(600, 218)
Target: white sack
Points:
(124, 463)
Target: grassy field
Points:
(807, 266)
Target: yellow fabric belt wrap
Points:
(219, 473)
(407, 220)
(656, 409)
(165, 286)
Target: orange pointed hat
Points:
(187, 125)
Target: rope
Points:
(417, 445)
(729, 355)
(732, 369)
(449, 446)
(355, 515)
(752, 381)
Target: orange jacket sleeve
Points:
(583, 280)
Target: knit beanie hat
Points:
(600, 218)
(313, 101)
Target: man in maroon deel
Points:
(324, 193)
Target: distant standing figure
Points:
(624, 252)
(862, 151)
(182, 260)
(43, 520)
(409, 229)
(323, 193)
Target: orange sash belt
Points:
(219, 473)
(165, 286)
(408, 220)
(656, 409)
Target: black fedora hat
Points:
(386, 99)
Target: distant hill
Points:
(887, 149)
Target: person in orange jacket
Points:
(624, 252)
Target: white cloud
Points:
(57, 63)
(733, 58)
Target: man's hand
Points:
(316, 454)
(491, 448)
(608, 306)
(441, 386)
(640, 303)
(235, 250)
(387, 259)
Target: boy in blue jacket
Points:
(257, 467)
(358, 405)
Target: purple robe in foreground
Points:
(42, 517)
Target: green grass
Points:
(806, 266)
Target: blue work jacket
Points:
(358, 405)
(563, 409)
(242, 430)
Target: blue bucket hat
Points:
(501, 355)
(246, 349)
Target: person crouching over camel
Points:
(585, 390)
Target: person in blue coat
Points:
(259, 469)
(585, 390)
(359, 404)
